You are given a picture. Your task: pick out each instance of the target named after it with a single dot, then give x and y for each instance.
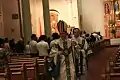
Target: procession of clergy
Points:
(66, 54)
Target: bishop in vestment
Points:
(67, 69)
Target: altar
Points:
(115, 41)
(112, 18)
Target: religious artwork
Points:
(54, 20)
(108, 16)
(116, 6)
(112, 13)
(107, 8)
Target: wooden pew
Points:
(31, 72)
(41, 68)
(5, 75)
(116, 69)
(29, 69)
(114, 76)
(18, 73)
(113, 71)
(34, 68)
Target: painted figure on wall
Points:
(54, 20)
(107, 8)
(116, 6)
(116, 9)
(107, 15)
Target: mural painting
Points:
(56, 24)
(54, 20)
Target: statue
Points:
(54, 20)
(116, 6)
(107, 8)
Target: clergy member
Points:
(67, 69)
(80, 46)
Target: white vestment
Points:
(54, 49)
(63, 65)
(79, 40)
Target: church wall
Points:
(93, 15)
(10, 7)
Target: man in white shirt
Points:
(42, 46)
(33, 49)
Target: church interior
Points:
(19, 19)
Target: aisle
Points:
(97, 63)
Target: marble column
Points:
(46, 15)
(27, 27)
(79, 6)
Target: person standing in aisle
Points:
(33, 49)
(80, 50)
(67, 68)
(42, 46)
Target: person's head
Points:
(33, 37)
(21, 39)
(76, 32)
(43, 38)
(98, 33)
(106, 4)
(84, 32)
(6, 40)
(28, 42)
(63, 35)
(55, 36)
(87, 35)
(69, 36)
(12, 40)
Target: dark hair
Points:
(43, 37)
(69, 36)
(76, 29)
(64, 32)
(98, 33)
(6, 40)
(33, 35)
(87, 35)
(28, 42)
(55, 36)
(84, 32)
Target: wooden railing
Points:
(112, 70)
(100, 45)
